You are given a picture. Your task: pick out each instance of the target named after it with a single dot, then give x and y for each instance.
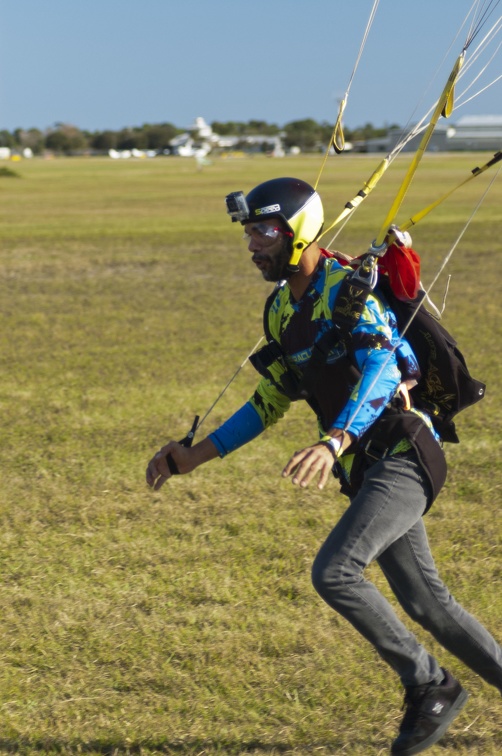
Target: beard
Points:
(275, 266)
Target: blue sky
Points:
(112, 63)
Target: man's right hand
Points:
(185, 459)
(158, 470)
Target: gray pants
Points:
(384, 522)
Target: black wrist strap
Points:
(173, 467)
(187, 441)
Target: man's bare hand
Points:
(182, 460)
(158, 470)
(304, 465)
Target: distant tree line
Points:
(66, 139)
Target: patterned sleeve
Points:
(266, 407)
(269, 402)
(374, 342)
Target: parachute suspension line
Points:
(354, 203)
(480, 91)
(444, 107)
(427, 291)
(384, 164)
(232, 379)
(409, 131)
(363, 43)
(483, 44)
(482, 17)
(493, 31)
(487, 39)
(425, 211)
(474, 173)
(342, 219)
(438, 312)
(367, 187)
(490, 35)
(462, 102)
(370, 184)
(337, 139)
(422, 125)
(455, 245)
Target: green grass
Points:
(183, 621)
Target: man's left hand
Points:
(304, 465)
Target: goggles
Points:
(265, 234)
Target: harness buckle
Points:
(366, 273)
(376, 450)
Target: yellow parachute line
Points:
(426, 210)
(337, 140)
(367, 187)
(444, 103)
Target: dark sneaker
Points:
(430, 709)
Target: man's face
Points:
(270, 245)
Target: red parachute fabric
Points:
(402, 265)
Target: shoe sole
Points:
(456, 707)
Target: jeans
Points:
(384, 522)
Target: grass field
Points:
(183, 621)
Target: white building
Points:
(476, 133)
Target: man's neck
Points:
(309, 261)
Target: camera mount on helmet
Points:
(237, 207)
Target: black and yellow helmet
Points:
(292, 200)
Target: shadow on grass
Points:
(463, 743)
(115, 747)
